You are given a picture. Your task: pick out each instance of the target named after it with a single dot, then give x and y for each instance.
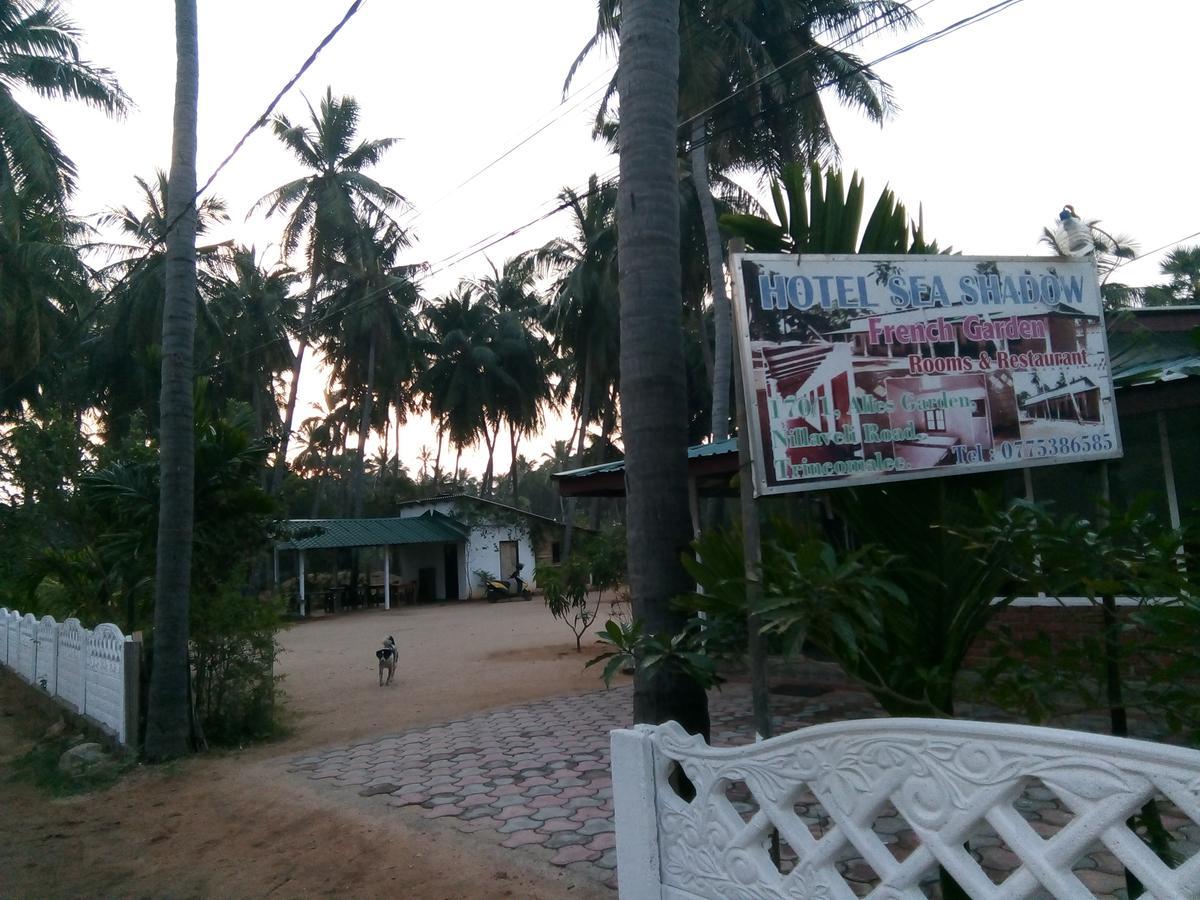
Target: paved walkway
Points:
(535, 778)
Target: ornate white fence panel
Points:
(949, 781)
(46, 666)
(72, 646)
(27, 648)
(94, 672)
(104, 665)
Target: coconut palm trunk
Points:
(585, 411)
(722, 332)
(364, 429)
(167, 719)
(653, 387)
(289, 413)
(514, 440)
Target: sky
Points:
(1000, 124)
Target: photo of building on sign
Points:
(866, 369)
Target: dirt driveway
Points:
(236, 825)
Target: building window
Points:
(556, 552)
(935, 420)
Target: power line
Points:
(496, 237)
(454, 259)
(133, 262)
(579, 102)
(1166, 246)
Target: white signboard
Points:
(860, 369)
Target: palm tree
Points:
(167, 713)
(127, 360)
(524, 353)
(464, 375)
(39, 52)
(582, 314)
(255, 313)
(325, 208)
(768, 53)
(653, 384)
(44, 289)
(1182, 266)
(370, 323)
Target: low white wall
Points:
(91, 671)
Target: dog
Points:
(387, 660)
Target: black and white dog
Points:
(387, 660)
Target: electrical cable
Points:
(133, 262)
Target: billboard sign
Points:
(862, 369)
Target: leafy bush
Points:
(234, 650)
(565, 588)
(628, 645)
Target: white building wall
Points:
(487, 528)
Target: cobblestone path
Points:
(535, 779)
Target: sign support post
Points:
(751, 545)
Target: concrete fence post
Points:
(639, 871)
(133, 689)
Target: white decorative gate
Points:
(945, 787)
(46, 666)
(27, 647)
(72, 645)
(104, 665)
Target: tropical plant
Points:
(39, 52)
(255, 312)
(582, 315)
(127, 361)
(167, 719)
(370, 326)
(818, 212)
(325, 209)
(565, 588)
(460, 381)
(44, 295)
(770, 57)
(582, 311)
(683, 654)
(1182, 267)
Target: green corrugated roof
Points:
(1145, 357)
(699, 451)
(316, 534)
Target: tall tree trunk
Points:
(514, 439)
(489, 440)
(653, 387)
(397, 468)
(364, 427)
(585, 411)
(167, 718)
(437, 464)
(289, 413)
(722, 332)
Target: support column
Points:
(1168, 471)
(303, 605)
(387, 577)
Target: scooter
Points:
(514, 588)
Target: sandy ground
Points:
(236, 825)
